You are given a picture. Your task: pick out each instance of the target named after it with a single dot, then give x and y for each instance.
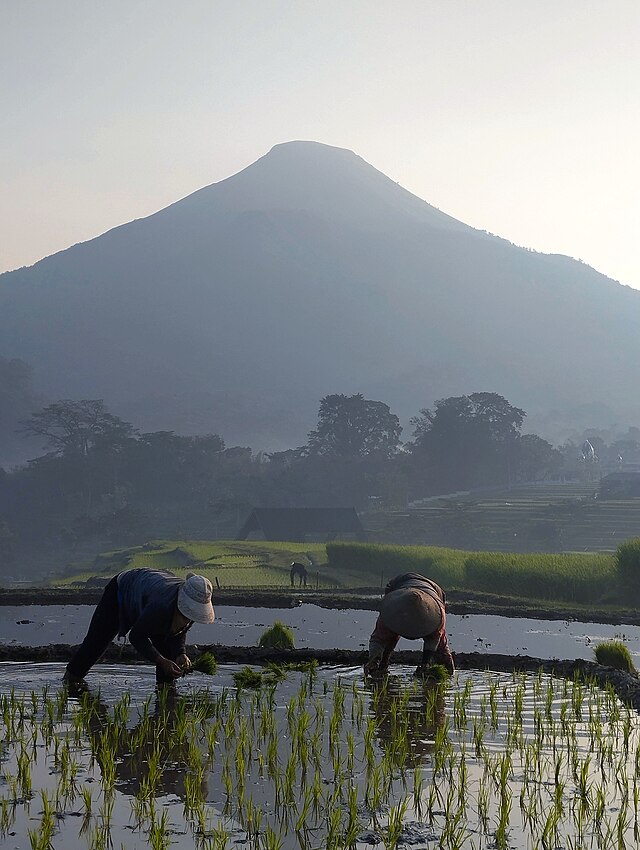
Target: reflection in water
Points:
(519, 761)
(408, 715)
(157, 756)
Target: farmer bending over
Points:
(156, 609)
(413, 607)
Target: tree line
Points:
(101, 482)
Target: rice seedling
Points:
(331, 759)
(270, 840)
(204, 663)
(278, 636)
(249, 678)
(159, 837)
(614, 653)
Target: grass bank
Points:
(571, 578)
(575, 579)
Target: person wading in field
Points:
(156, 609)
(413, 607)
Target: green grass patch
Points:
(231, 564)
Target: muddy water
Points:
(562, 732)
(321, 628)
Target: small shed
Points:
(302, 525)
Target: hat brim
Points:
(199, 612)
(411, 613)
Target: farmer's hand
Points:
(422, 671)
(376, 666)
(169, 668)
(372, 666)
(184, 663)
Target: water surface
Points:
(322, 628)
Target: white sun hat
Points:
(411, 613)
(194, 599)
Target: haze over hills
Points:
(237, 308)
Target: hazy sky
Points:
(521, 117)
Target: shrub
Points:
(628, 564)
(614, 653)
(278, 636)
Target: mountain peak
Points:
(237, 308)
(311, 149)
(325, 181)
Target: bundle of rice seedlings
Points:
(248, 678)
(205, 663)
(278, 636)
(437, 673)
(614, 653)
(295, 666)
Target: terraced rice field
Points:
(519, 520)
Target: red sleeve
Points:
(382, 634)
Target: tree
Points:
(536, 459)
(354, 427)
(78, 427)
(88, 448)
(488, 415)
(466, 441)
(17, 399)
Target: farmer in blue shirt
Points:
(156, 609)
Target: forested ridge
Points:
(100, 483)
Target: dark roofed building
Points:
(303, 524)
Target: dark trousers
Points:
(103, 628)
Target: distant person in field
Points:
(299, 570)
(156, 609)
(413, 607)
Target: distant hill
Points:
(237, 308)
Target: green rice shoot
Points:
(278, 636)
(436, 673)
(205, 663)
(614, 653)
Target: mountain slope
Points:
(309, 272)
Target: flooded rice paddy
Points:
(322, 628)
(321, 760)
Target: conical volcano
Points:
(237, 308)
